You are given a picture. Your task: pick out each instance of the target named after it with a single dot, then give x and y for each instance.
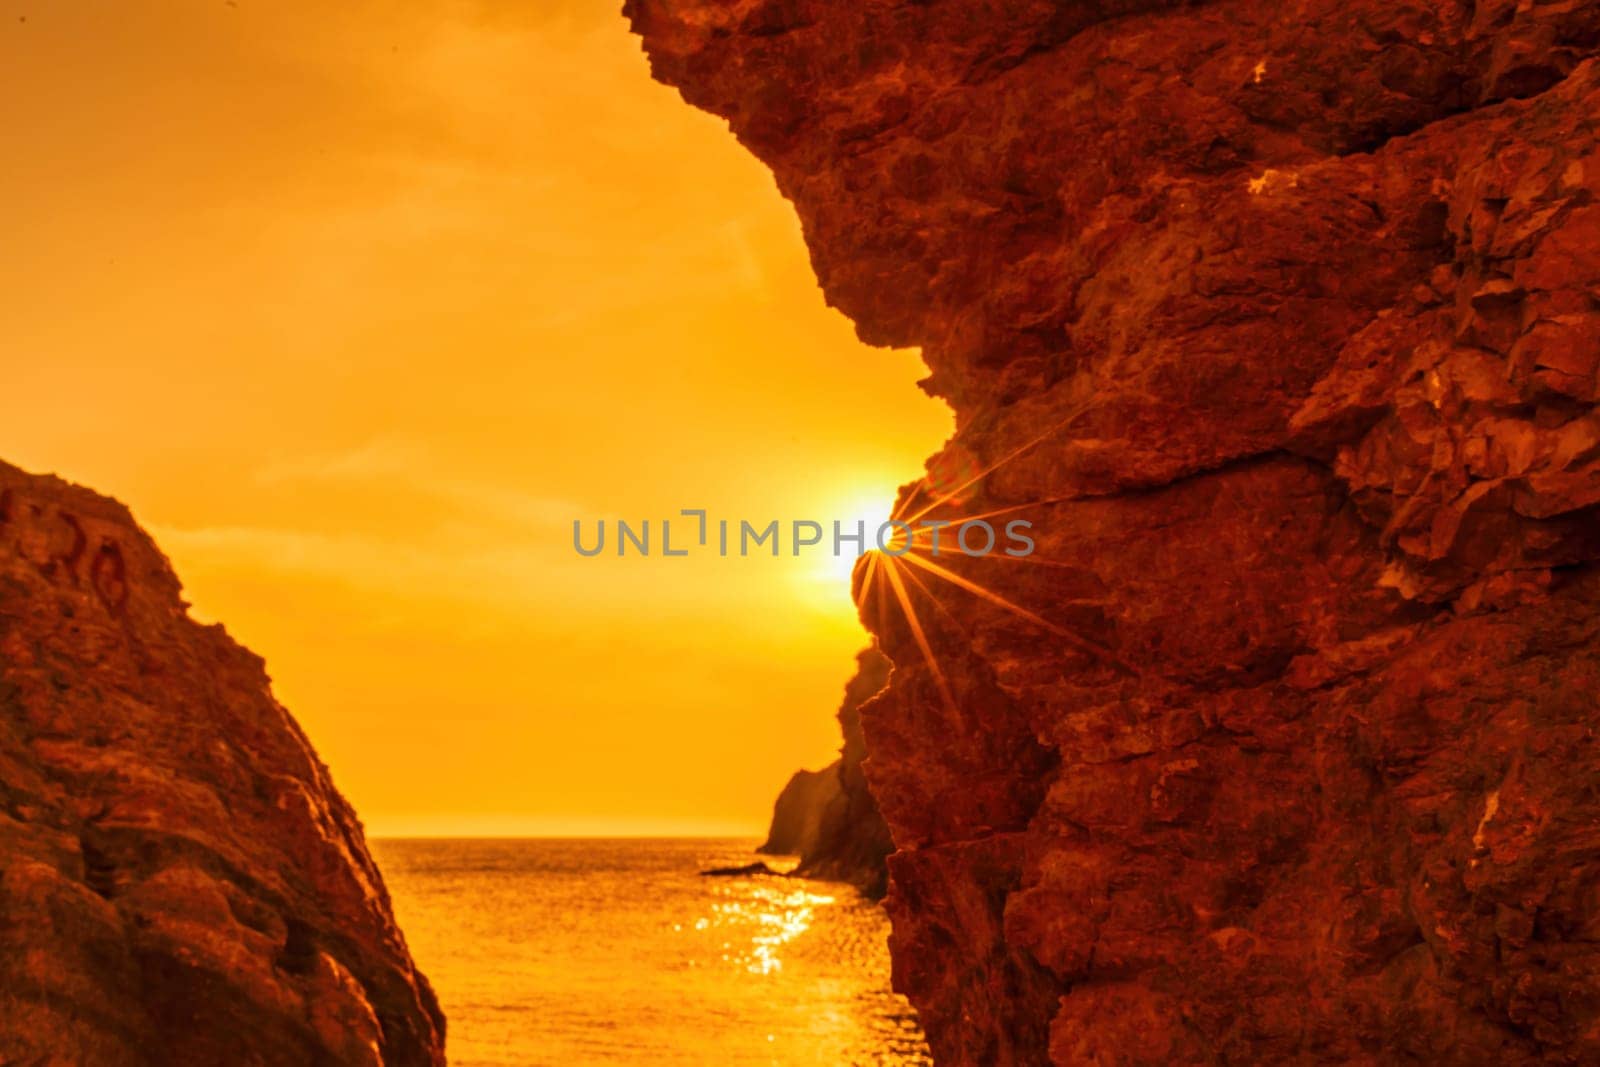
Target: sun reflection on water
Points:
(758, 921)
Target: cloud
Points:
(401, 467)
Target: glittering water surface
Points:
(576, 952)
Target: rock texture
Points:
(180, 884)
(1281, 322)
(829, 817)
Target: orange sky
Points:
(358, 305)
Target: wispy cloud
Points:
(404, 468)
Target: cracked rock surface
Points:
(1281, 324)
(180, 883)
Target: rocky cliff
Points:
(829, 817)
(180, 883)
(1280, 322)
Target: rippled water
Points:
(577, 952)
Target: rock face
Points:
(180, 884)
(829, 817)
(1280, 322)
(798, 813)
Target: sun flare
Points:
(865, 510)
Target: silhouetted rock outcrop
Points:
(1281, 324)
(828, 817)
(799, 811)
(738, 872)
(180, 883)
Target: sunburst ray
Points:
(1084, 644)
(891, 571)
(1071, 417)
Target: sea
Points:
(573, 952)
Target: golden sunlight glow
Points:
(359, 322)
(866, 511)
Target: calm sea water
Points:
(575, 952)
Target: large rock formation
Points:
(1280, 322)
(180, 884)
(829, 817)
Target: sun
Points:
(865, 509)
